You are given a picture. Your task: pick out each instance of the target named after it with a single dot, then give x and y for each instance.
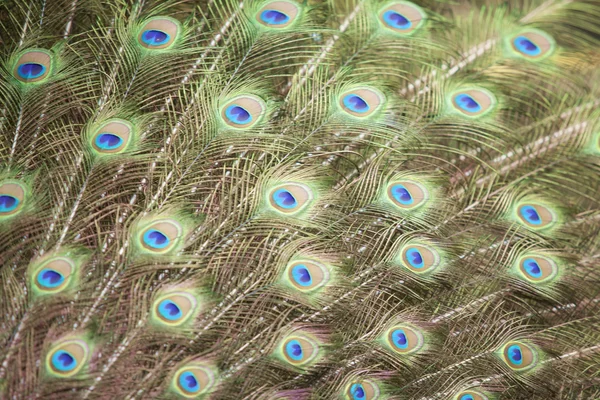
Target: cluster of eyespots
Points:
(299, 350)
(307, 275)
(473, 102)
(67, 358)
(518, 356)
(278, 14)
(290, 198)
(33, 66)
(535, 216)
(243, 111)
(402, 17)
(404, 339)
(361, 102)
(112, 137)
(160, 236)
(470, 395)
(362, 389)
(159, 33)
(54, 274)
(533, 45)
(407, 194)
(193, 380)
(537, 268)
(174, 309)
(12, 196)
(419, 258)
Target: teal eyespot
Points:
(193, 380)
(278, 14)
(419, 258)
(361, 102)
(363, 389)
(174, 309)
(243, 111)
(403, 18)
(307, 275)
(407, 195)
(113, 136)
(537, 269)
(532, 45)
(473, 102)
(535, 216)
(519, 356)
(33, 66)
(404, 339)
(160, 236)
(159, 33)
(470, 395)
(67, 358)
(299, 350)
(54, 274)
(290, 198)
(12, 197)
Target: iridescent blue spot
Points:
(169, 310)
(63, 361)
(108, 141)
(514, 354)
(399, 339)
(357, 391)
(50, 278)
(156, 239)
(302, 275)
(284, 199)
(31, 70)
(532, 268)
(8, 203)
(414, 258)
(274, 17)
(356, 104)
(294, 350)
(530, 215)
(153, 37)
(238, 115)
(526, 46)
(396, 20)
(466, 397)
(467, 103)
(189, 382)
(401, 194)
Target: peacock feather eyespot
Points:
(361, 102)
(519, 356)
(363, 389)
(278, 14)
(419, 258)
(537, 269)
(159, 33)
(160, 236)
(175, 308)
(12, 198)
(67, 358)
(112, 137)
(54, 274)
(299, 350)
(194, 380)
(404, 339)
(473, 102)
(33, 66)
(470, 395)
(407, 194)
(402, 17)
(290, 198)
(532, 44)
(306, 275)
(535, 216)
(243, 111)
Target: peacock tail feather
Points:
(275, 199)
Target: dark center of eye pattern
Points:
(189, 382)
(396, 20)
(172, 309)
(31, 70)
(356, 103)
(154, 37)
(531, 215)
(108, 141)
(50, 278)
(399, 338)
(8, 203)
(169, 310)
(414, 257)
(156, 239)
(302, 275)
(533, 268)
(357, 391)
(467, 103)
(285, 199)
(466, 397)
(402, 195)
(274, 17)
(238, 115)
(63, 361)
(514, 353)
(294, 350)
(526, 46)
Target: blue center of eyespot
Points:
(294, 350)
(466, 397)
(108, 141)
(399, 339)
(414, 258)
(301, 275)
(8, 203)
(402, 195)
(156, 239)
(396, 20)
(31, 70)
(169, 310)
(188, 381)
(284, 199)
(467, 103)
(238, 115)
(357, 391)
(153, 37)
(530, 215)
(526, 46)
(356, 104)
(532, 268)
(50, 278)
(274, 17)
(514, 354)
(63, 361)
